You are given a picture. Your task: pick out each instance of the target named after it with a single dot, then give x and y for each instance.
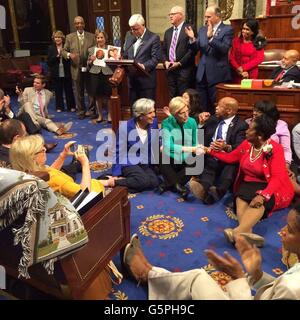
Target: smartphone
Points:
(74, 146)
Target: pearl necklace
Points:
(254, 158)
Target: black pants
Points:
(178, 82)
(217, 173)
(208, 95)
(136, 93)
(61, 85)
(138, 178)
(31, 128)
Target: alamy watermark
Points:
(2, 278)
(127, 148)
(296, 19)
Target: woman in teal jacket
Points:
(179, 134)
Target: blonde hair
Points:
(176, 104)
(23, 152)
(58, 34)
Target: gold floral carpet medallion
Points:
(220, 277)
(161, 227)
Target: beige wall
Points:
(136, 6)
(157, 14)
(73, 12)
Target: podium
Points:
(120, 68)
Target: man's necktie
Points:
(220, 128)
(41, 105)
(172, 55)
(279, 76)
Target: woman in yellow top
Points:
(28, 154)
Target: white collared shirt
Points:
(224, 128)
(215, 27)
(138, 43)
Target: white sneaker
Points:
(68, 126)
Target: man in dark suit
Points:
(289, 70)
(178, 58)
(214, 41)
(76, 48)
(143, 46)
(224, 131)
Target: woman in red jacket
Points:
(247, 52)
(262, 184)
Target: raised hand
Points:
(250, 255)
(189, 32)
(203, 117)
(227, 264)
(209, 30)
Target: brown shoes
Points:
(64, 129)
(197, 189)
(135, 262)
(50, 146)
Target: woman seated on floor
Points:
(262, 184)
(179, 138)
(28, 154)
(281, 136)
(135, 154)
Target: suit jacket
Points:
(53, 63)
(72, 46)
(214, 54)
(235, 135)
(292, 74)
(122, 156)
(97, 69)
(184, 54)
(29, 95)
(285, 287)
(149, 54)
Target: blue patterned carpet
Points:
(174, 233)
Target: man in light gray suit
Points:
(76, 48)
(197, 284)
(34, 101)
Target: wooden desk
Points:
(286, 100)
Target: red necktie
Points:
(41, 105)
(279, 76)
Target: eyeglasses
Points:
(135, 29)
(41, 151)
(173, 14)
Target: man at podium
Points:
(142, 46)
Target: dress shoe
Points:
(197, 189)
(81, 116)
(162, 188)
(253, 238)
(50, 146)
(65, 128)
(212, 196)
(228, 233)
(181, 190)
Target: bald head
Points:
(177, 15)
(290, 58)
(227, 107)
(213, 15)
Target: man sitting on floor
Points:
(196, 284)
(35, 101)
(224, 131)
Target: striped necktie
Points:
(172, 54)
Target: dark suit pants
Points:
(179, 81)
(138, 178)
(137, 92)
(31, 128)
(208, 95)
(80, 85)
(61, 85)
(219, 174)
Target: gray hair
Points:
(142, 106)
(136, 19)
(1, 94)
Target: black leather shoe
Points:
(213, 196)
(162, 188)
(182, 190)
(50, 146)
(81, 116)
